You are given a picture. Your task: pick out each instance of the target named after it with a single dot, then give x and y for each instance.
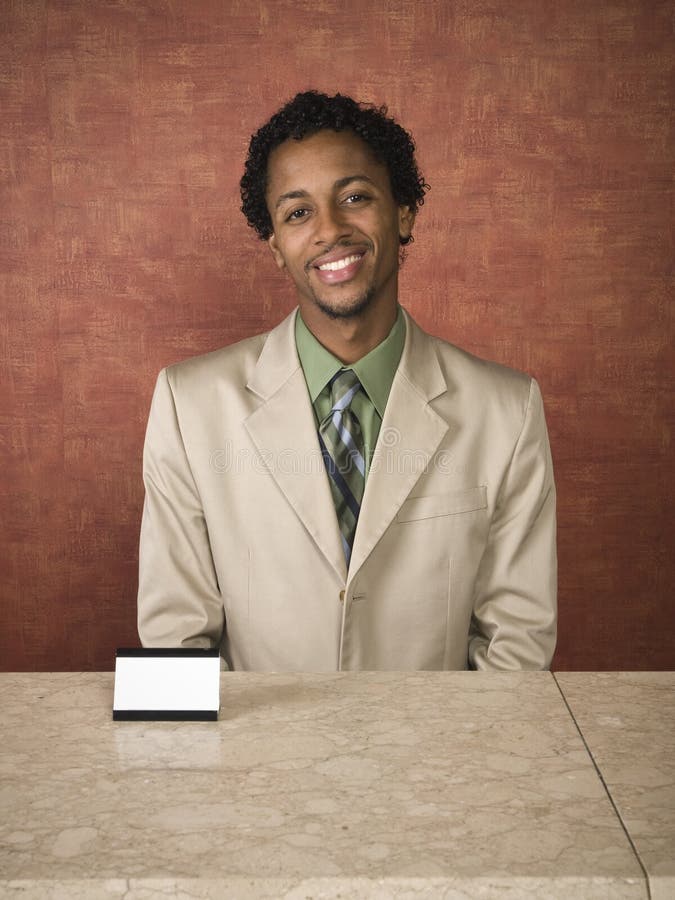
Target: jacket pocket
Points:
(415, 508)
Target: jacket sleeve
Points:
(179, 602)
(515, 603)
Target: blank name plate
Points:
(167, 684)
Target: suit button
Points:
(342, 596)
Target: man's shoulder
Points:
(461, 367)
(487, 371)
(223, 362)
(235, 364)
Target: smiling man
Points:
(346, 491)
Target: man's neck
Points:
(353, 338)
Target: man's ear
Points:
(406, 220)
(276, 253)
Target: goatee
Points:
(355, 308)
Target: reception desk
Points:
(378, 785)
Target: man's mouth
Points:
(339, 265)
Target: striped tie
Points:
(343, 451)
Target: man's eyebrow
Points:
(343, 182)
(290, 195)
(339, 184)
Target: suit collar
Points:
(278, 360)
(419, 362)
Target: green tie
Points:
(342, 448)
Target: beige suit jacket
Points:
(454, 560)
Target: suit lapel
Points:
(283, 430)
(409, 436)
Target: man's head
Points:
(334, 188)
(310, 112)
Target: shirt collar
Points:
(375, 370)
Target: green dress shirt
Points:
(375, 371)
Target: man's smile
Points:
(338, 265)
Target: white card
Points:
(166, 684)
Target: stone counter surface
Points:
(448, 785)
(628, 722)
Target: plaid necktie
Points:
(342, 448)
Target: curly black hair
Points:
(309, 112)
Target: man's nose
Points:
(330, 226)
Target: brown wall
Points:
(546, 243)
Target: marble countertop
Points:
(628, 723)
(407, 785)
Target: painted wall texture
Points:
(545, 130)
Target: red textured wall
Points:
(544, 128)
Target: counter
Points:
(376, 785)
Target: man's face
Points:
(336, 224)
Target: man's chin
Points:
(345, 308)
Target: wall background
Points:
(545, 130)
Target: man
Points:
(346, 491)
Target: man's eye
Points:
(355, 198)
(296, 214)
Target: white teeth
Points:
(339, 264)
